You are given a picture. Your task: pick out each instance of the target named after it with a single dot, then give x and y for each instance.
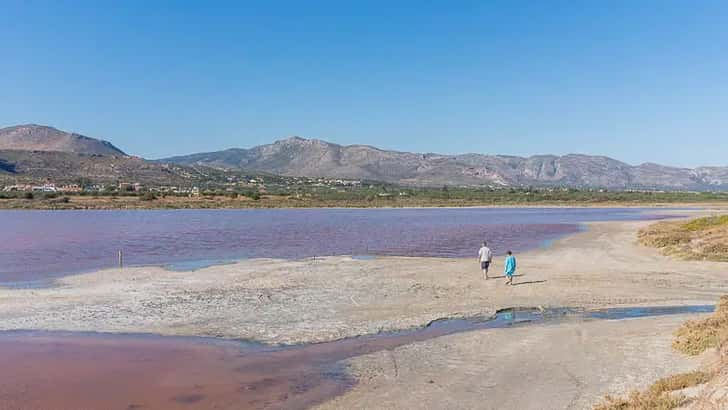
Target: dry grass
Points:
(715, 394)
(701, 224)
(658, 395)
(696, 336)
(698, 239)
(703, 239)
(680, 381)
(692, 338)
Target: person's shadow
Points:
(504, 276)
(530, 282)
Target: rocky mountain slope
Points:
(20, 167)
(34, 154)
(309, 157)
(32, 137)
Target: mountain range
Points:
(297, 156)
(42, 152)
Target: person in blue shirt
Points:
(510, 268)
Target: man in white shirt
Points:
(485, 256)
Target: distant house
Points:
(13, 188)
(130, 187)
(45, 188)
(71, 188)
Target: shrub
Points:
(658, 396)
(148, 196)
(62, 200)
(695, 336)
(706, 223)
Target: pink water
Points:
(37, 245)
(70, 371)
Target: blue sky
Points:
(636, 80)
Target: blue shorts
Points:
(484, 265)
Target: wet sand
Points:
(569, 366)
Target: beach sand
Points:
(300, 301)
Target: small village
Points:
(231, 184)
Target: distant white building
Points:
(45, 188)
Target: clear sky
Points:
(636, 80)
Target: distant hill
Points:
(34, 154)
(68, 167)
(33, 137)
(297, 156)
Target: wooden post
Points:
(121, 258)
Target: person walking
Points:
(485, 256)
(510, 268)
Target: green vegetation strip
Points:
(369, 195)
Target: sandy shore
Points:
(567, 366)
(279, 301)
